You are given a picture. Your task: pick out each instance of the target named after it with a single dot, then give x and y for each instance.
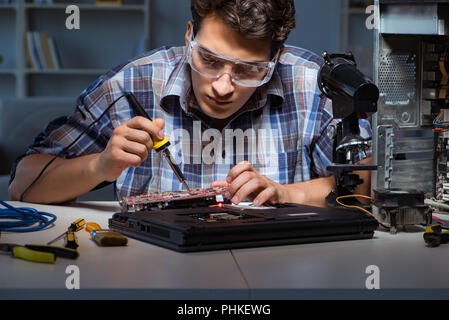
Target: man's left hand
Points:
(243, 181)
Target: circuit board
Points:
(198, 197)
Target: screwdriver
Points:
(70, 240)
(75, 226)
(158, 145)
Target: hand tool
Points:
(61, 252)
(434, 236)
(38, 253)
(24, 253)
(158, 145)
(70, 240)
(75, 226)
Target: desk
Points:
(143, 270)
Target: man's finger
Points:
(250, 187)
(239, 181)
(219, 183)
(136, 148)
(238, 169)
(153, 128)
(268, 194)
(139, 136)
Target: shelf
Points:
(109, 35)
(8, 6)
(59, 6)
(67, 71)
(8, 71)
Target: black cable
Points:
(70, 145)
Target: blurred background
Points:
(44, 65)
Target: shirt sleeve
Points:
(322, 145)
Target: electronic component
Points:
(108, 238)
(174, 199)
(400, 207)
(222, 216)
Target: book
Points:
(46, 50)
(30, 50)
(39, 50)
(108, 2)
(54, 53)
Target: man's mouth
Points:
(218, 102)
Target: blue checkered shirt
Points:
(282, 130)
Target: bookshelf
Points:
(120, 31)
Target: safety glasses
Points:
(213, 65)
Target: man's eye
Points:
(209, 59)
(243, 69)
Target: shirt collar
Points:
(178, 87)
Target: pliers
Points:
(39, 253)
(434, 236)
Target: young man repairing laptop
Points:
(241, 109)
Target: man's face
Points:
(220, 98)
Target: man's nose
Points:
(223, 86)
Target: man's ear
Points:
(189, 29)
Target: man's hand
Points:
(243, 181)
(128, 146)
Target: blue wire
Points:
(26, 218)
(440, 125)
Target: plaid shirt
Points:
(284, 124)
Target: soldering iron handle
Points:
(137, 107)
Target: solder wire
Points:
(68, 147)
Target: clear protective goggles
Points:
(213, 65)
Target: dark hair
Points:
(255, 19)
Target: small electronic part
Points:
(222, 216)
(400, 207)
(108, 238)
(90, 226)
(174, 199)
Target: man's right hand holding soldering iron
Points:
(67, 179)
(129, 146)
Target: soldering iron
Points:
(158, 145)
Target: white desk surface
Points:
(257, 273)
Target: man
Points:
(234, 75)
